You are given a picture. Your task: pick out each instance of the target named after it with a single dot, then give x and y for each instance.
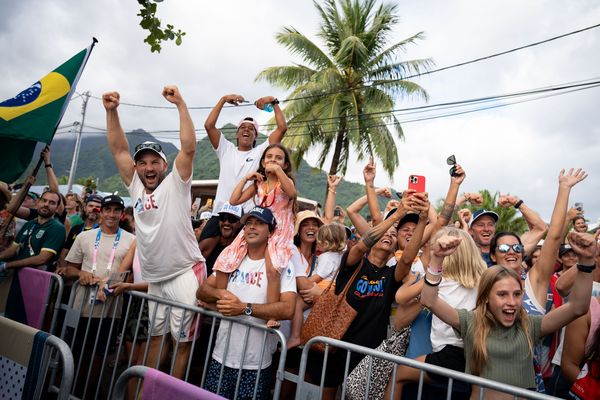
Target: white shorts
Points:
(182, 289)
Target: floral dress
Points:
(280, 243)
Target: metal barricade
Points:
(33, 349)
(453, 376)
(115, 358)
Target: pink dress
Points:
(280, 243)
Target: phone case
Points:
(416, 182)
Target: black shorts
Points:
(211, 228)
(451, 357)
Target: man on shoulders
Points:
(168, 251)
(236, 161)
(246, 296)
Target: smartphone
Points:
(337, 212)
(579, 206)
(417, 183)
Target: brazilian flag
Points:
(34, 114)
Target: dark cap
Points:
(564, 249)
(410, 217)
(149, 146)
(481, 213)
(113, 199)
(94, 197)
(33, 195)
(260, 213)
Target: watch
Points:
(248, 309)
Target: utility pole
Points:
(86, 96)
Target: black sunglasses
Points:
(505, 248)
(452, 161)
(153, 146)
(228, 217)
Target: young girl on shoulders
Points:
(272, 187)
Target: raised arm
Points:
(277, 135)
(187, 134)
(445, 216)
(537, 226)
(370, 238)
(353, 210)
(214, 134)
(332, 183)
(444, 246)
(574, 342)
(117, 142)
(585, 246)
(419, 202)
(369, 173)
(543, 269)
(52, 181)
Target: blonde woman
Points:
(331, 242)
(499, 335)
(458, 287)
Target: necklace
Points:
(265, 198)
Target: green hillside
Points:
(96, 161)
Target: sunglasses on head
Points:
(229, 218)
(153, 146)
(505, 248)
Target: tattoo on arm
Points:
(447, 211)
(370, 239)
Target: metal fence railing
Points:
(98, 336)
(453, 376)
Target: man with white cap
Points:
(169, 255)
(229, 227)
(482, 229)
(236, 161)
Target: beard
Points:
(45, 212)
(160, 176)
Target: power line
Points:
(376, 83)
(587, 83)
(542, 94)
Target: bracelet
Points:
(434, 271)
(586, 268)
(331, 190)
(427, 282)
(518, 204)
(48, 165)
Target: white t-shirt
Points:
(249, 284)
(327, 264)
(166, 242)
(82, 252)
(457, 296)
(234, 165)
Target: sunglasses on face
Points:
(153, 146)
(505, 248)
(232, 219)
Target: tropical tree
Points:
(343, 95)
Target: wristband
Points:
(48, 165)
(434, 270)
(427, 282)
(518, 204)
(275, 101)
(586, 268)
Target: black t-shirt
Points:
(371, 294)
(212, 257)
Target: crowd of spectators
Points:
(442, 287)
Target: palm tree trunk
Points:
(337, 151)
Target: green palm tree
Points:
(344, 94)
